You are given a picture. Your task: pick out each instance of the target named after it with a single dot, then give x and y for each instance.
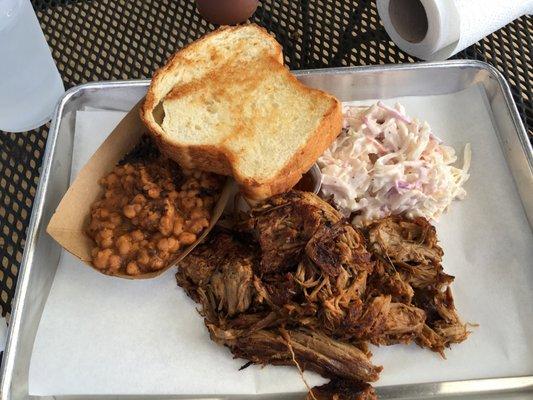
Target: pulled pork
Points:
(338, 389)
(283, 225)
(296, 284)
(409, 253)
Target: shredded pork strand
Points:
(386, 163)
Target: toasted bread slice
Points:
(200, 58)
(253, 120)
(226, 104)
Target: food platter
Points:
(41, 255)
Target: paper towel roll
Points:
(437, 29)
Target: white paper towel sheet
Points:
(102, 335)
(449, 25)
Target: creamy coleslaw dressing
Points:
(385, 162)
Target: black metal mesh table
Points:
(96, 40)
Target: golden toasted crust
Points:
(154, 97)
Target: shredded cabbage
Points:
(386, 163)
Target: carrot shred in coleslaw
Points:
(385, 162)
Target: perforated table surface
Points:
(95, 40)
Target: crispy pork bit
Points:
(338, 389)
(278, 289)
(295, 284)
(283, 225)
(338, 247)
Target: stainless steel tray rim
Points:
(407, 66)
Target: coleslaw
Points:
(385, 162)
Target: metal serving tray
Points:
(41, 254)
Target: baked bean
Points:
(172, 195)
(139, 199)
(157, 263)
(149, 211)
(100, 261)
(134, 248)
(124, 245)
(123, 239)
(199, 203)
(187, 238)
(163, 245)
(106, 233)
(129, 211)
(144, 258)
(132, 269)
(173, 245)
(137, 235)
(154, 192)
(165, 226)
(197, 225)
(114, 262)
(106, 243)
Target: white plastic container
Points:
(30, 84)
